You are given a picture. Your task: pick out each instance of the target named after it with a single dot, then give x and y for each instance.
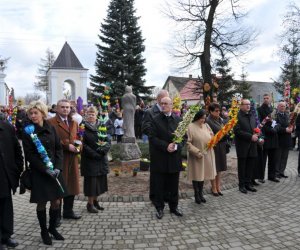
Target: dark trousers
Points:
(260, 166)
(68, 203)
(119, 138)
(165, 184)
(245, 170)
(270, 154)
(6, 218)
(282, 157)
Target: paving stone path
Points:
(268, 219)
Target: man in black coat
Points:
(246, 146)
(146, 126)
(271, 141)
(165, 159)
(11, 166)
(284, 139)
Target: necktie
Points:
(66, 122)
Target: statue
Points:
(128, 106)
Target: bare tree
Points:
(43, 67)
(31, 97)
(209, 27)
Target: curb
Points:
(145, 197)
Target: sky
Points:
(29, 28)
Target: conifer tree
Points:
(289, 50)
(243, 87)
(225, 81)
(119, 58)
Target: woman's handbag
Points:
(25, 181)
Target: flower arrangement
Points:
(227, 128)
(29, 129)
(176, 105)
(184, 166)
(295, 97)
(183, 125)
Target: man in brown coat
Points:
(67, 129)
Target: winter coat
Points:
(148, 118)
(160, 136)
(220, 148)
(284, 138)
(67, 135)
(263, 111)
(243, 131)
(11, 159)
(94, 160)
(200, 166)
(44, 187)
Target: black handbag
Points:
(25, 181)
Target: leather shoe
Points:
(177, 212)
(71, 215)
(10, 242)
(243, 190)
(220, 193)
(159, 214)
(274, 180)
(261, 180)
(91, 208)
(251, 189)
(283, 175)
(214, 194)
(254, 183)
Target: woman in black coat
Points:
(216, 123)
(45, 185)
(94, 162)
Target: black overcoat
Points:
(284, 138)
(93, 163)
(243, 131)
(11, 158)
(263, 111)
(270, 136)
(148, 119)
(44, 187)
(160, 136)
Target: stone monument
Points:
(129, 148)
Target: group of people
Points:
(159, 124)
(60, 183)
(51, 153)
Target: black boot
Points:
(200, 185)
(196, 192)
(58, 220)
(96, 205)
(68, 212)
(42, 217)
(53, 213)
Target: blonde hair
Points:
(40, 106)
(92, 109)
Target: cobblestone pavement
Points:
(268, 219)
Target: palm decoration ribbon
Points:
(29, 129)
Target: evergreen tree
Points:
(243, 87)
(119, 58)
(226, 83)
(289, 50)
(43, 67)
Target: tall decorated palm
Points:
(119, 58)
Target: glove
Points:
(51, 173)
(57, 172)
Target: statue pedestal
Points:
(130, 151)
